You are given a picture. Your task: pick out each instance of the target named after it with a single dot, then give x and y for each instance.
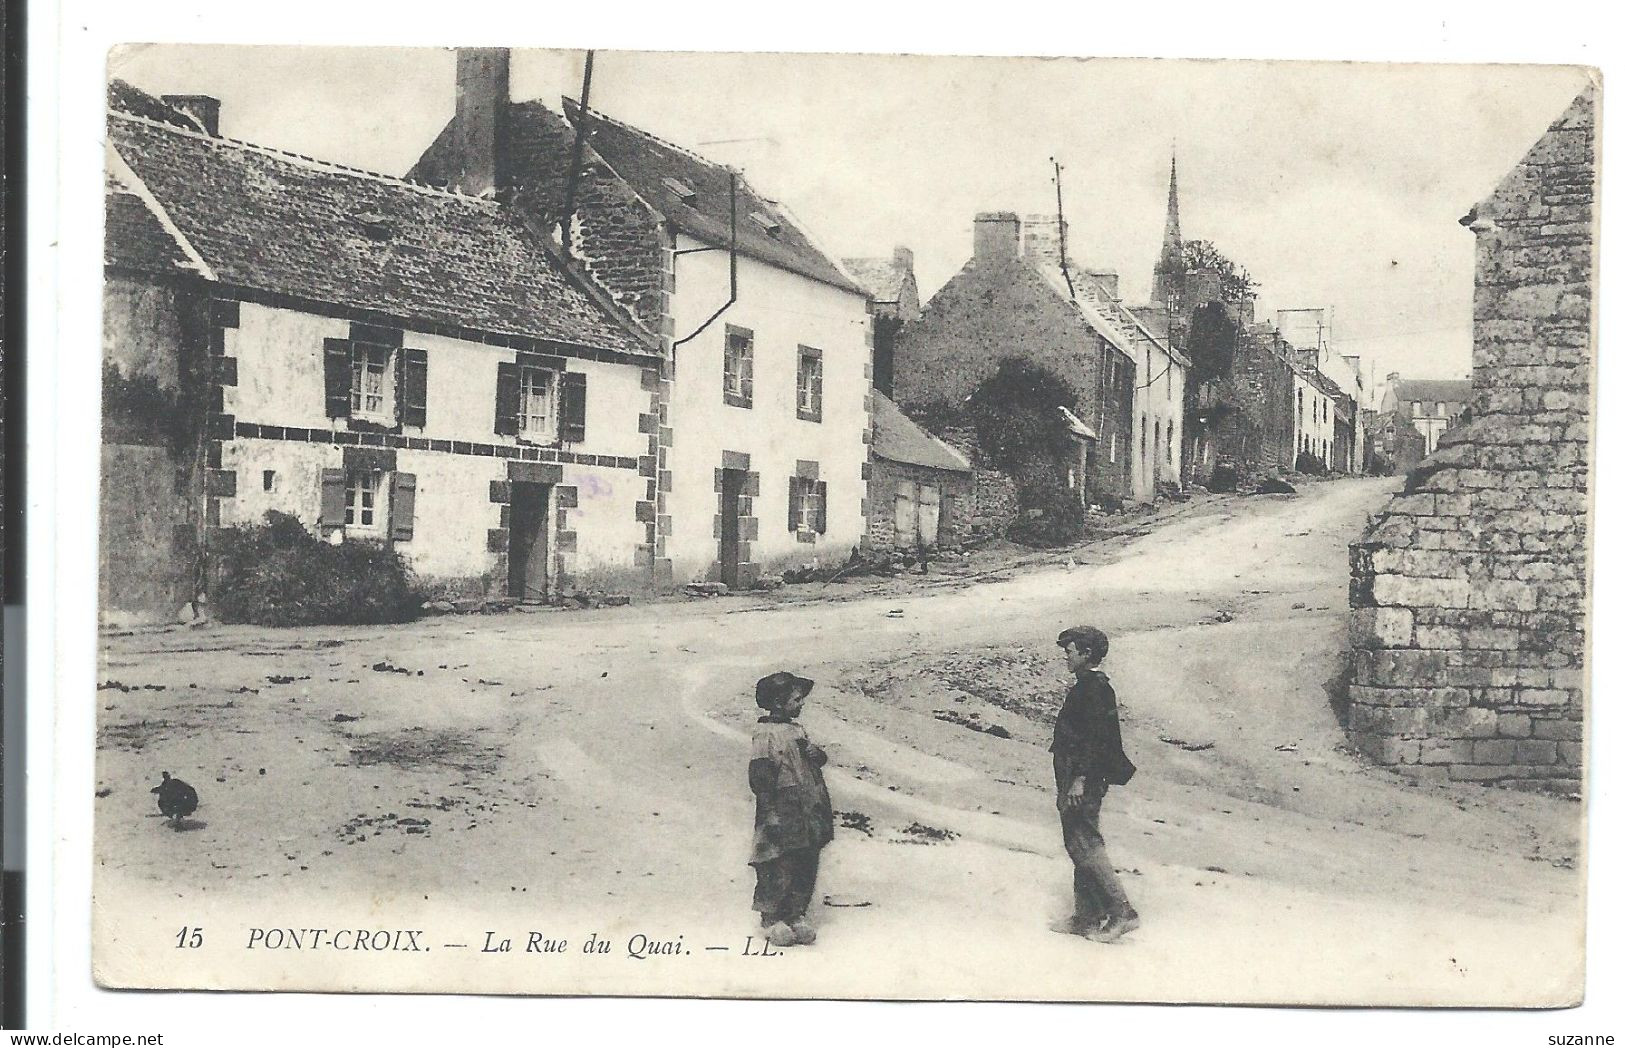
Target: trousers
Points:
(784, 885)
(1096, 891)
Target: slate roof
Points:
(1451, 391)
(647, 162)
(291, 225)
(899, 438)
(883, 278)
(135, 239)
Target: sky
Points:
(1335, 184)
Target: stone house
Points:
(922, 491)
(1469, 590)
(1429, 406)
(1005, 305)
(895, 299)
(1241, 421)
(756, 458)
(1314, 405)
(384, 361)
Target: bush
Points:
(1310, 463)
(278, 574)
(1055, 520)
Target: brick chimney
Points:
(998, 235)
(482, 111)
(202, 109)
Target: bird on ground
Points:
(176, 799)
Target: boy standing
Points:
(793, 816)
(1089, 758)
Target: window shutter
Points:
(507, 399)
(412, 383)
(822, 505)
(572, 407)
(795, 492)
(403, 493)
(336, 360)
(333, 498)
(747, 370)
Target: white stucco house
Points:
(386, 362)
(758, 459)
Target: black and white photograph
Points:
(857, 526)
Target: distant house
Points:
(1003, 305)
(921, 490)
(1430, 406)
(756, 453)
(385, 362)
(896, 299)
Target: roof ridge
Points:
(304, 159)
(601, 115)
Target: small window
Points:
(538, 405)
(737, 366)
(370, 395)
(1111, 446)
(1416, 407)
(362, 509)
(268, 479)
(809, 509)
(810, 385)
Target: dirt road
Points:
(582, 773)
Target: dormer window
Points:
(681, 190)
(375, 226)
(769, 225)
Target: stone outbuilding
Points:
(1469, 591)
(922, 492)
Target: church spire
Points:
(1168, 278)
(1171, 243)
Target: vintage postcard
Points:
(860, 526)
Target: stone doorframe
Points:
(562, 546)
(749, 570)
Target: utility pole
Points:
(1060, 223)
(568, 218)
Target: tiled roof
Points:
(899, 438)
(1451, 391)
(651, 166)
(291, 225)
(883, 278)
(126, 98)
(135, 238)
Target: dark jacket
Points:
(792, 805)
(1088, 740)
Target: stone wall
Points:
(955, 513)
(1469, 591)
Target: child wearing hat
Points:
(793, 817)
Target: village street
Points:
(572, 773)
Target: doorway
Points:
(733, 485)
(527, 542)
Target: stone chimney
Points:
(482, 111)
(1106, 279)
(998, 235)
(903, 257)
(202, 109)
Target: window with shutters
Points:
(370, 394)
(810, 385)
(538, 405)
(363, 510)
(737, 366)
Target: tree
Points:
(1235, 283)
